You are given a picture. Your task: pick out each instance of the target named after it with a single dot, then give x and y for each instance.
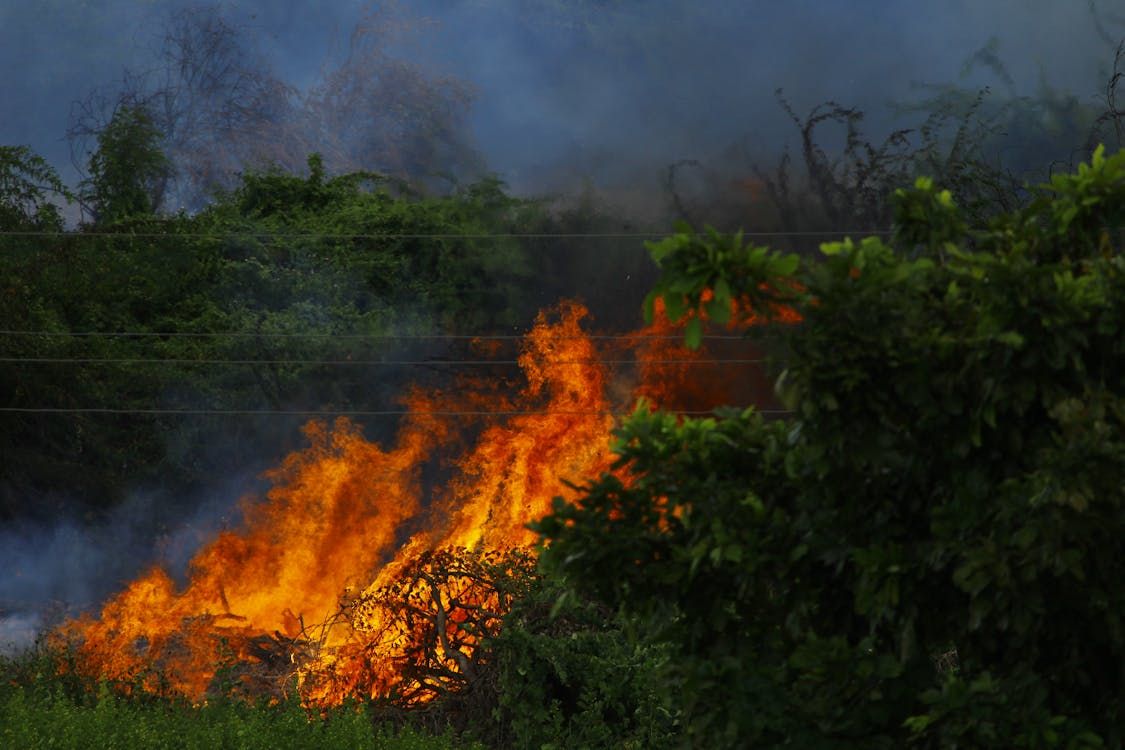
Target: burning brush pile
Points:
(351, 579)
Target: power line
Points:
(427, 235)
(346, 413)
(356, 336)
(447, 235)
(82, 360)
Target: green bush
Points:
(565, 675)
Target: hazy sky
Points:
(586, 87)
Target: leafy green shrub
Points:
(568, 676)
(928, 553)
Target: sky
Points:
(607, 91)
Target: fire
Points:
(345, 567)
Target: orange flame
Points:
(346, 520)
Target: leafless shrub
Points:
(223, 110)
(218, 105)
(1114, 114)
(375, 112)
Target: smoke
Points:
(600, 90)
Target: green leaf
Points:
(722, 291)
(693, 333)
(649, 306)
(718, 311)
(1025, 537)
(786, 265)
(675, 306)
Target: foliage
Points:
(704, 272)
(927, 554)
(397, 246)
(564, 674)
(43, 706)
(285, 293)
(236, 308)
(480, 645)
(42, 719)
(26, 183)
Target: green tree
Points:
(928, 552)
(128, 171)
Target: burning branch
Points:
(417, 638)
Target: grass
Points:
(39, 709)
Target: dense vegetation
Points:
(286, 276)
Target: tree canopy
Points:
(286, 269)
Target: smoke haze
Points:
(56, 569)
(588, 89)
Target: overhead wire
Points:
(358, 336)
(424, 235)
(351, 412)
(882, 231)
(368, 362)
(351, 336)
(347, 412)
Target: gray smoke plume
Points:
(609, 91)
(56, 570)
